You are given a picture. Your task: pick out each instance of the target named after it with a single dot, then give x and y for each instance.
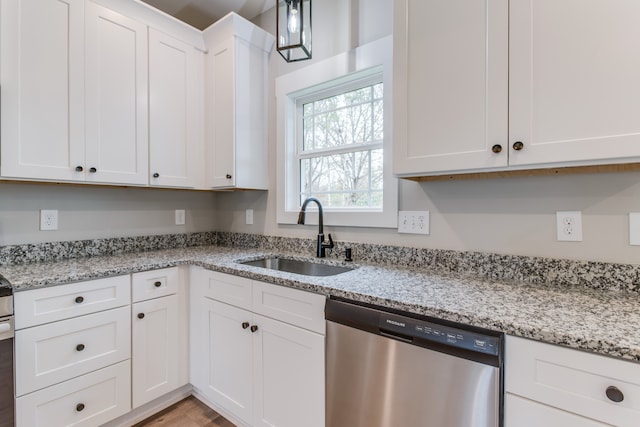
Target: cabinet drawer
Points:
(51, 304)
(59, 351)
(299, 308)
(89, 400)
(573, 380)
(154, 284)
(226, 288)
(521, 412)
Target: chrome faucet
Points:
(321, 246)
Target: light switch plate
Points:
(634, 228)
(413, 222)
(180, 217)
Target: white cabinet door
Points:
(520, 412)
(573, 93)
(228, 372)
(289, 375)
(450, 85)
(175, 108)
(116, 98)
(154, 349)
(221, 135)
(42, 79)
(236, 70)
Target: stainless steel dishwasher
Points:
(385, 369)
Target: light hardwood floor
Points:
(189, 412)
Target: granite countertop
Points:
(596, 320)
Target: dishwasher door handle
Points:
(395, 336)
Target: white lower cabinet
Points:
(154, 335)
(262, 370)
(553, 386)
(88, 400)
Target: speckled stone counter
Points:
(599, 320)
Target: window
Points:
(334, 133)
(340, 152)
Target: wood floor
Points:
(189, 412)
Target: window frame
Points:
(368, 63)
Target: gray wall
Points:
(505, 215)
(87, 212)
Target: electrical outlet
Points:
(248, 217)
(180, 217)
(634, 228)
(48, 220)
(413, 222)
(569, 226)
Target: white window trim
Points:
(364, 60)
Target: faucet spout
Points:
(321, 245)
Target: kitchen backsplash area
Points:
(477, 265)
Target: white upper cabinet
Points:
(515, 84)
(42, 80)
(176, 107)
(450, 85)
(574, 92)
(117, 97)
(236, 69)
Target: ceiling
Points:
(202, 13)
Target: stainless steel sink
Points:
(306, 268)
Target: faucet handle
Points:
(330, 244)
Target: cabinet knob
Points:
(496, 148)
(614, 394)
(518, 145)
(79, 300)
(229, 176)
(245, 325)
(157, 284)
(254, 328)
(156, 175)
(93, 170)
(140, 315)
(80, 407)
(80, 347)
(79, 168)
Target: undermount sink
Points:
(306, 268)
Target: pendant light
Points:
(293, 30)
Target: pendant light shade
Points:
(293, 32)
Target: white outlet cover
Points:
(180, 217)
(248, 217)
(569, 226)
(48, 220)
(413, 222)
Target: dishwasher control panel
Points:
(447, 335)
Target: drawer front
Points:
(226, 288)
(521, 412)
(154, 284)
(299, 308)
(45, 305)
(59, 351)
(89, 400)
(573, 380)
